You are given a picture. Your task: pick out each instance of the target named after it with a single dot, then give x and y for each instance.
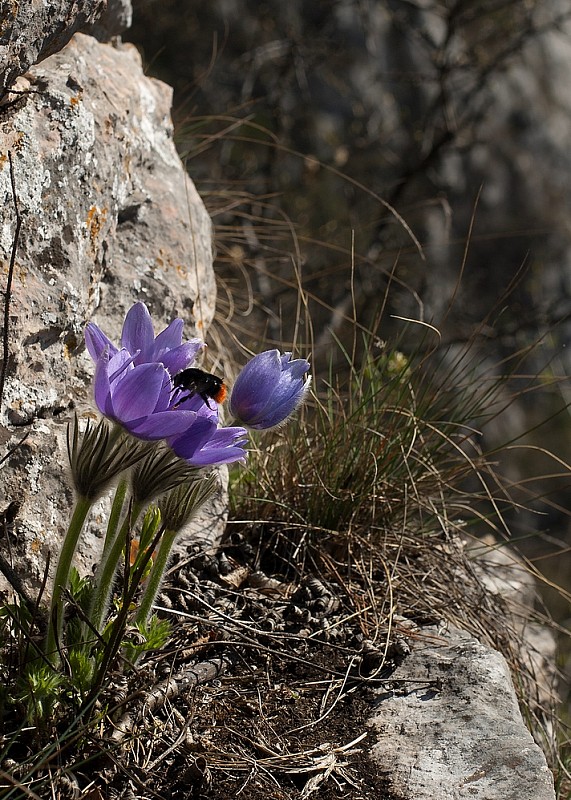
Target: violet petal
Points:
(137, 393)
(179, 359)
(119, 364)
(164, 402)
(225, 446)
(214, 457)
(138, 333)
(278, 412)
(194, 438)
(255, 385)
(102, 388)
(96, 341)
(168, 339)
(162, 424)
(296, 368)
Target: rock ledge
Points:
(451, 728)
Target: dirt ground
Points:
(264, 691)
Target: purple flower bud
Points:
(269, 388)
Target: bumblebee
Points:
(204, 384)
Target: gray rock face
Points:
(451, 729)
(109, 217)
(505, 575)
(115, 19)
(31, 31)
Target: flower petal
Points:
(181, 357)
(225, 446)
(168, 339)
(119, 364)
(277, 412)
(138, 333)
(216, 456)
(164, 403)
(102, 388)
(255, 385)
(162, 424)
(296, 367)
(96, 341)
(204, 445)
(137, 393)
(193, 439)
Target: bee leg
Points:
(205, 398)
(182, 397)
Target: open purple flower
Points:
(133, 383)
(269, 388)
(138, 397)
(134, 387)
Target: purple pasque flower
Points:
(269, 388)
(134, 387)
(133, 383)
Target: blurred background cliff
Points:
(392, 158)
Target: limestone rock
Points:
(115, 19)
(505, 574)
(31, 31)
(109, 217)
(451, 727)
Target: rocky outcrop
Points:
(450, 728)
(109, 217)
(447, 724)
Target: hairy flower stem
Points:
(105, 574)
(177, 508)
(156, 577)
(115, 515)
(61, 579)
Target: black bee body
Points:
(204, 384)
